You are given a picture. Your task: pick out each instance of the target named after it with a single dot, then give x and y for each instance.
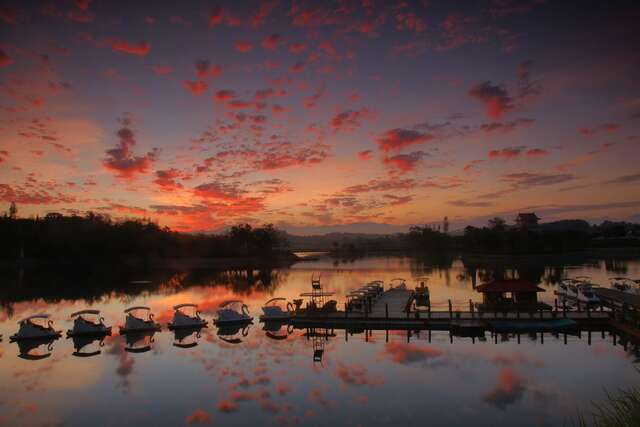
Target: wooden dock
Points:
(391, 310)
(617, 299)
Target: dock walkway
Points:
(614, 298)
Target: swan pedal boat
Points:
(272, 310)
(84, 326)
(137, 324)
(233, 312)
(30, 329)
(181, 319)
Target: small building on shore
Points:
(527, 221)
(510, 295)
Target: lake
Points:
(258, 377)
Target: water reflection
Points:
(187, 337)
(83, 345)
(139, 342)
(233, 334)
(36, 348)
(274, 374)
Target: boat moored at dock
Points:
(233, 312)
(182, 319)
(277, 309)
(83, 325)
(135, 323)
(38, 326)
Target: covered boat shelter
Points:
(510, 295)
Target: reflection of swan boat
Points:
(624, 284)
(82, 341)
(84, 326)
(134, 323)
(27, 348)
(421, 293)
(181, 319)
(34, 327)
(186, 337)
(398, 283)
(273, 310)
(228, 333)
(139, 342)
(277, 330)
(233, 312)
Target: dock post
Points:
(429, 336)
(555, 304)
(565, 339)
(346, 312)
(471, 309)
(346, 335)
(564, 309)
(386, 310)
(541, 314)
(429, 312)
(589, 337)
(450, 311)
(542, 338)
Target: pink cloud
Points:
(505, 153)
(495, 98)
(243, 46)
(161, 70)
(224, 95)
(121, 158)
(350, 120)
(139, 49)
(365, 155)
(297, 48)
(398, 138)
(404, 162)
(4, 59)
(603, 128)
(196, 87)
(272, 42)
(199, 416)
(537, 152)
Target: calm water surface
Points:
(256, 378)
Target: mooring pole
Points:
(564, 310)
(450, 311)
(386, 310)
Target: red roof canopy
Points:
(509, 286)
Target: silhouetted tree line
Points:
(62, 237)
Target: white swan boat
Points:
(134, 323)
(624, 284)
(586, 294)
(233, 311)
(182, 319)
(37, 326)
(398, 283)
(273, 310)
(83, 325)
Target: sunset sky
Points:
(314, 115)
